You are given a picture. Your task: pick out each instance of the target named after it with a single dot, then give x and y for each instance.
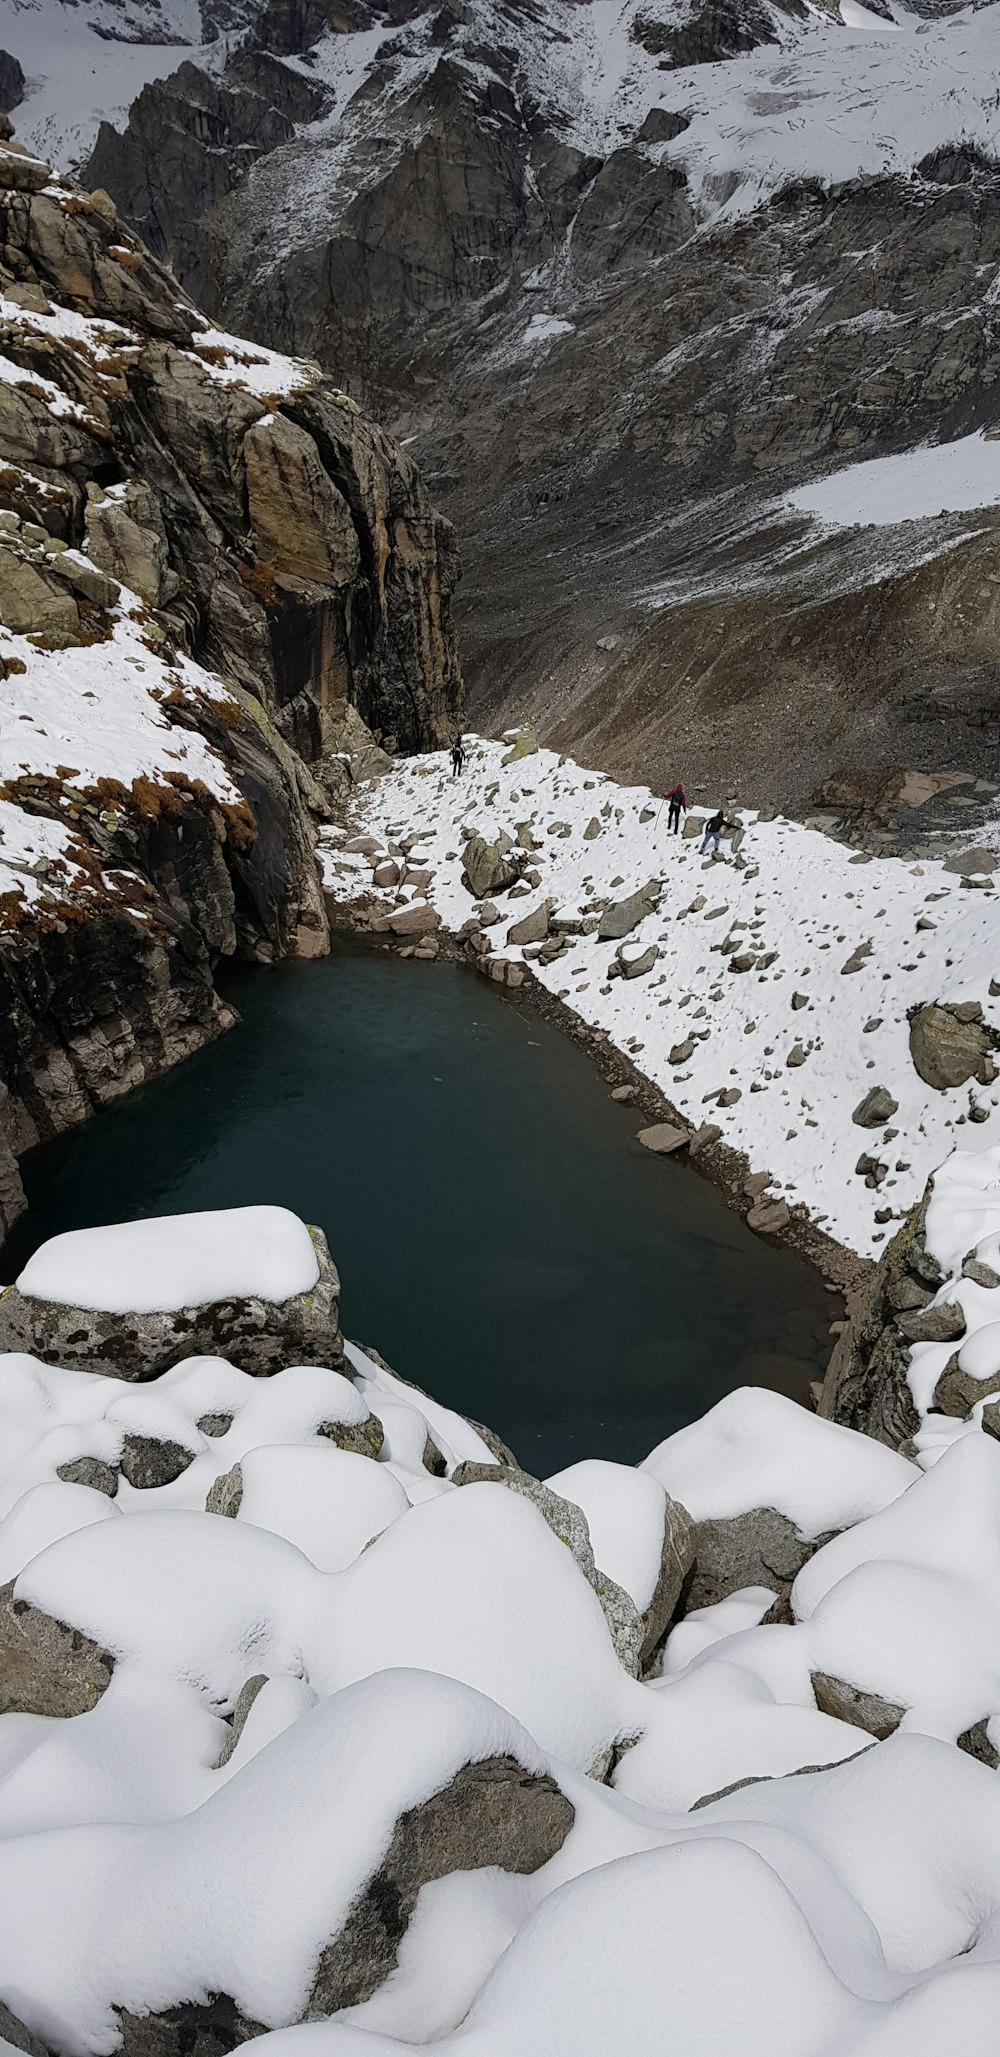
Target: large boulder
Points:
(45, 1667)
(949, 1045)
(489, 868)
(261, 1336)
(877, 1107)
(620, 917)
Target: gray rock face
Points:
(976, 1743)
(972, 863)
(760, 1548)
(225, 1494)
(12, 83)
(569, 1523)
(90, 1471)
(849, 1703)
(867, 1385)
(258, 1335)
(948, 1049)
(147, 1462)
(45, 1667)
(207, 2028)
(637, 967)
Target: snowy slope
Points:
(791, 898)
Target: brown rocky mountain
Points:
(625, 277)
(219, 580)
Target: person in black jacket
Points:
(457, 757)
(713, 832)
(675, 802)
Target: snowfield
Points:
(782, 972)
(368, 1638)
(940, 478)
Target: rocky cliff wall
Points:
(218, 577)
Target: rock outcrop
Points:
(218, 578)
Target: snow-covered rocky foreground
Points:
(767, 990)
(320, 1717)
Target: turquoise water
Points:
(501, 1237)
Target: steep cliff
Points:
(214, 571)
(629, 280)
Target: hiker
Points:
(457, 757)
(675, 802)
(713, 832)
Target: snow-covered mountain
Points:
(627, 278)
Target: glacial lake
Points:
(501, 1237)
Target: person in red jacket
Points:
(677, 800)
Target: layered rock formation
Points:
(642, 287)
(218, 580)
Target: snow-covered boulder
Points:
(251, 1284)
(567, 1520)
(765, 1482)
